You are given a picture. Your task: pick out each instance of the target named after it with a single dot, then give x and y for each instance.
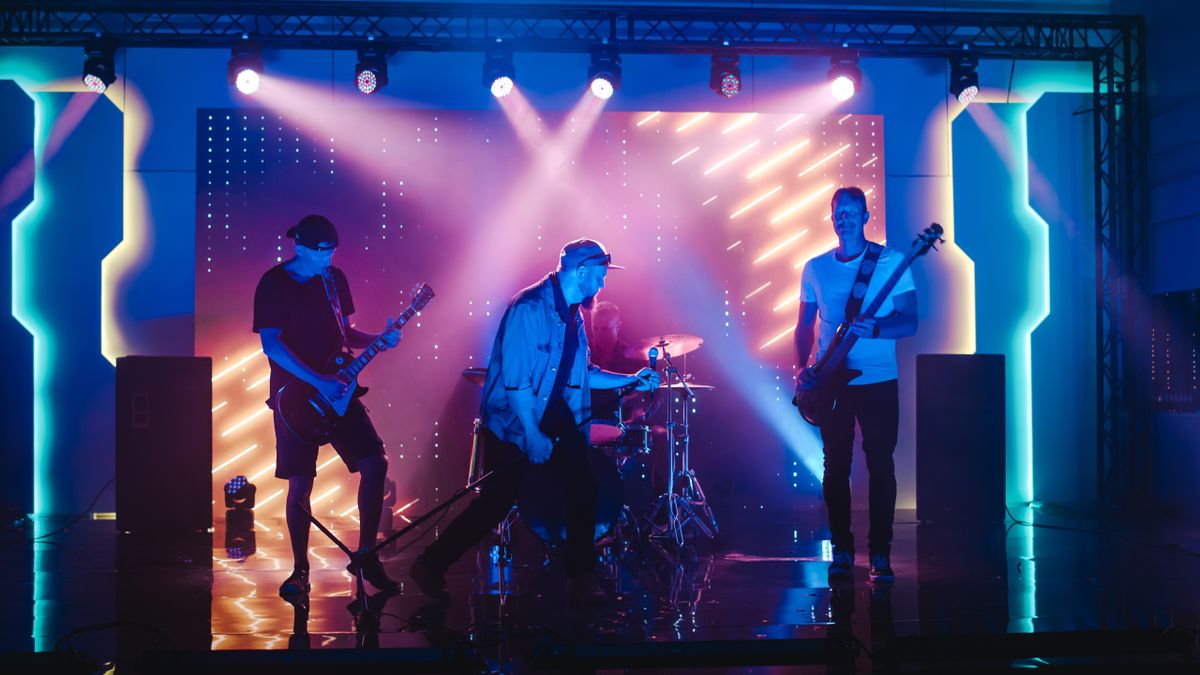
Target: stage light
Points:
(604, 75)
(240, 539)
(725, 76)
(498, 71)
(245, 67)
(844, 76)
(964, 80)
(98, 70)
(239, 493)
(371, 72)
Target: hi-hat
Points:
(475, 375)
(675, 344)
(694, 387)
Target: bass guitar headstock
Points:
(928, 239)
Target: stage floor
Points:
(764, 582)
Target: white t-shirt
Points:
(827, 281)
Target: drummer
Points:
(610, 352)
(535, 409)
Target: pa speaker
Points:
(960, 438)
(164, 444)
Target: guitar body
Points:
(307, 413)
(818, 401)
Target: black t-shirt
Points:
(303, 314)
(558, 418)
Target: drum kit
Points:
(621, 454)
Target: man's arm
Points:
(279, 352)
(360, 340)
(600, 378)
(803, 338)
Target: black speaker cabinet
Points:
(960, 438)
(164, 444)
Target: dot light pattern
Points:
(712, 213)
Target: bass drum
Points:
(543, 507)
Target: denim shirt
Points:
(525, 355)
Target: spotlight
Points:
(844, 76)
(98, 70)
(245, 67)
(725, 77)
(964, 80)
(240, 539)
(498, 70)
(604, 75)
(370, 73)
(239, 493)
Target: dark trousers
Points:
(568, 466)
(876, 408)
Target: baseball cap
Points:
(312, 230)
(585, 252)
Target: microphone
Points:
(653, 358)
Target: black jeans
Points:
(569, 467)
(876, 407)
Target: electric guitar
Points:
(311, 416)
(817, 401)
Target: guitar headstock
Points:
(422, 294)
(928, 239)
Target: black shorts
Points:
(354, 441)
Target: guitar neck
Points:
(356, 366)
(838, 355)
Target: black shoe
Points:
(585, 591)
(372, 571)
(430, 579)
(297, 584)
(843, 562)
(881, 568)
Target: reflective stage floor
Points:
(1059, 596)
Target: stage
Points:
(1060, 595)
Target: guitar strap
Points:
(866, 269)
(335, 303)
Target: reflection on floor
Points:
(758, 597)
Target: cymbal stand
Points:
(688, 506)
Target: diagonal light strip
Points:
(649, 117)
(730, 158)
(755, 292)
(733, 245)
(233, 459)
(259, 382)
(778, 158)
(690, 122)
(824, 159)
(708, 201)
(237, 365)
(741, 122)
(781, 245)
(685, 155)
(779, 337)
(781, 127)
(800, 204)
(756, 201)
(245, 421)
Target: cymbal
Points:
(475, 375)
(675, 344)
(693, 387)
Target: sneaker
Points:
(881, 568)
(372, 571)
(297, 584)
(430, 579)
(843, 562)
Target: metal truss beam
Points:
(1115, 45)
(556, 28)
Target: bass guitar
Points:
(311, 416)
(817, 401)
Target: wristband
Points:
(875, 331)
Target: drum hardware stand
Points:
(689, 506)
(417, 522)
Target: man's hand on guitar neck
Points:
(865, 328)
(390, 335)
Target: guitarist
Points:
(873, 397)
(535, 410)
(300, 312)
